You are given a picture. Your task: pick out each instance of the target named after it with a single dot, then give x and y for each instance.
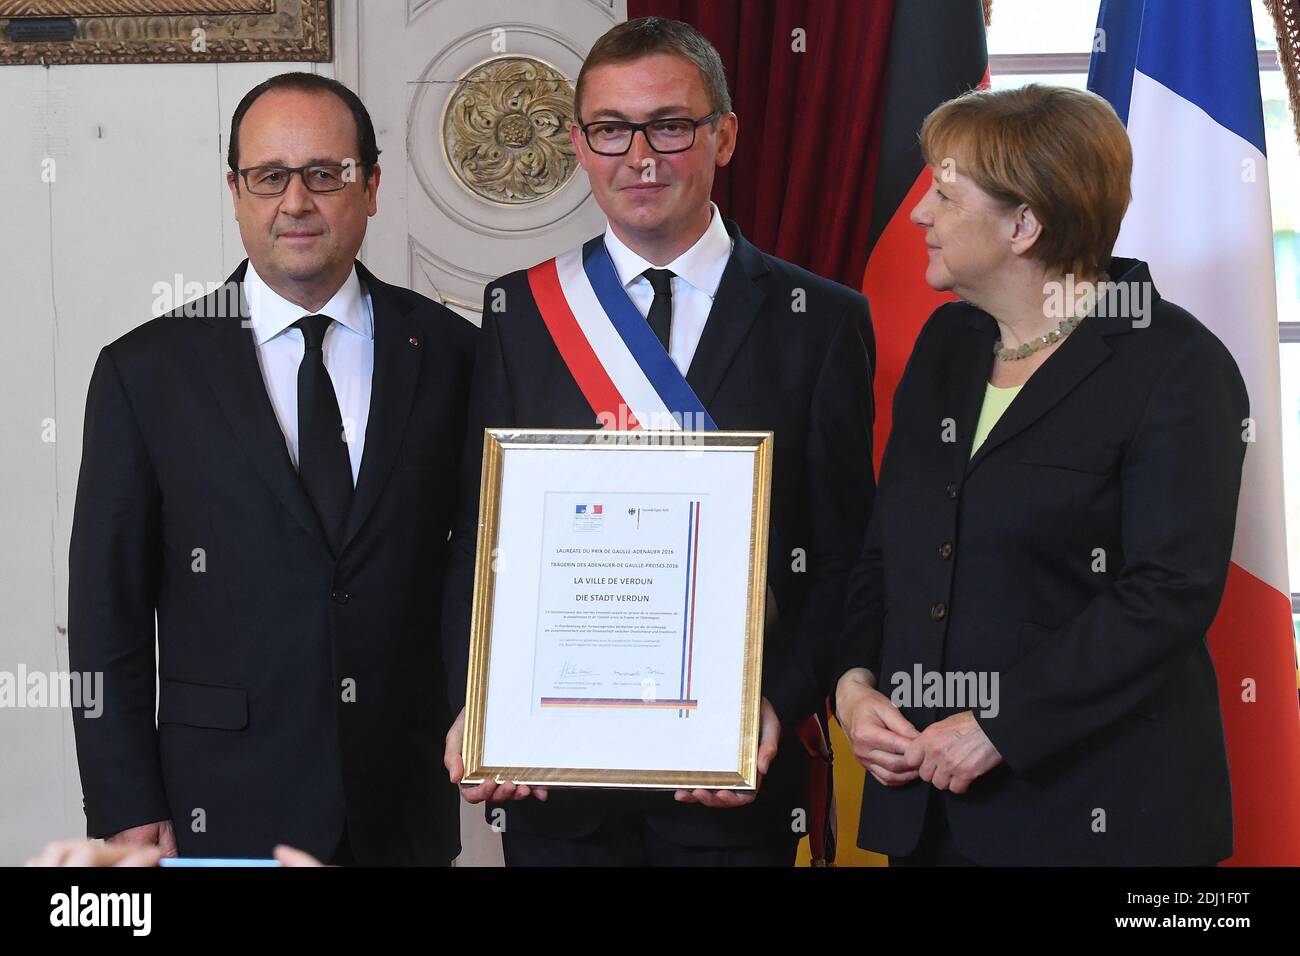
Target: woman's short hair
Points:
(1062, 152)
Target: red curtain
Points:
(806, 80)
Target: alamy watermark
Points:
(200, 300)
(1104, 299)
(75, 908)
(959, 690)
(684, 429)
(80, 690)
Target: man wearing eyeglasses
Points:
(271, 472)
(762, 345)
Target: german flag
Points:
(936, 51)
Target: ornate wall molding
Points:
(443, 280)
(414, 8)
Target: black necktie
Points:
(323, 462)
(661, 309)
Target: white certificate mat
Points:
(618, 622)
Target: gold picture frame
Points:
(54, 32)
(497, 447)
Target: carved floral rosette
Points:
(506, 130)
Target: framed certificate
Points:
(618, 609)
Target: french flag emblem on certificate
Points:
(588, 517)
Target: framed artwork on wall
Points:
(50, 32)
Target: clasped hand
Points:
(950, 754)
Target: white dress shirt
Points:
(698, 273)
(349, 348)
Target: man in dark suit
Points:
(764, 345)
(271, 471)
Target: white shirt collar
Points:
(701, 265)
(272, 313)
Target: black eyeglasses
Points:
(672, 134)
(318, 177)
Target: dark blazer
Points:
(260, 629)
(761, 365)
(1126, 447)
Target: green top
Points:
(996, 401)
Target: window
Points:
(1033, 42)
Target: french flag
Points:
(1184, 77)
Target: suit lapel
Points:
(236, 379)
(735, 307)
(392, 390)
(968, 372)
(1073, 361)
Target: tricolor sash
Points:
(619, 363)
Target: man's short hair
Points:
(645, 36)
(367, 148)
(1062, 152)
